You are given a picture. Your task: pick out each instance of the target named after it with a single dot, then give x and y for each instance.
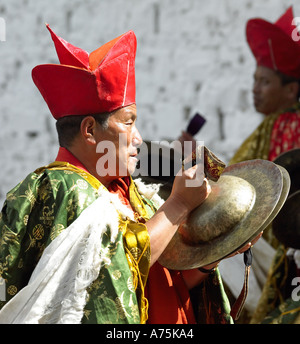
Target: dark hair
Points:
(69, 126)
(286, 79)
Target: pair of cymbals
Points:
(243, 202)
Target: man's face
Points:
(268, 92)
(121, 140)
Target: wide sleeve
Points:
(34, 213)
(13, 230)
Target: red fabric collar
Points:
(121, 187)
(66, 156)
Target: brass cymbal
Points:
(242, 203)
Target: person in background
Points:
(276, 88)
(276, 92)
(280, 301)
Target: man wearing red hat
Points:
(56, 266)
(276, 93)
(276, 88)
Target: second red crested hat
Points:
(85, 84)
(276, 46)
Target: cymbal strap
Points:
(248, 257)
(240, 301)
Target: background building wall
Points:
(192, 57)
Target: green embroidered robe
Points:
(36, 211)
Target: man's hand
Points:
(194, 277)
(190, 188)
(182, 200)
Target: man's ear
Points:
(292, 89)
(88, 129)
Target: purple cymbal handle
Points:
(196, 123)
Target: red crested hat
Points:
(86, 84)
(276, 46)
